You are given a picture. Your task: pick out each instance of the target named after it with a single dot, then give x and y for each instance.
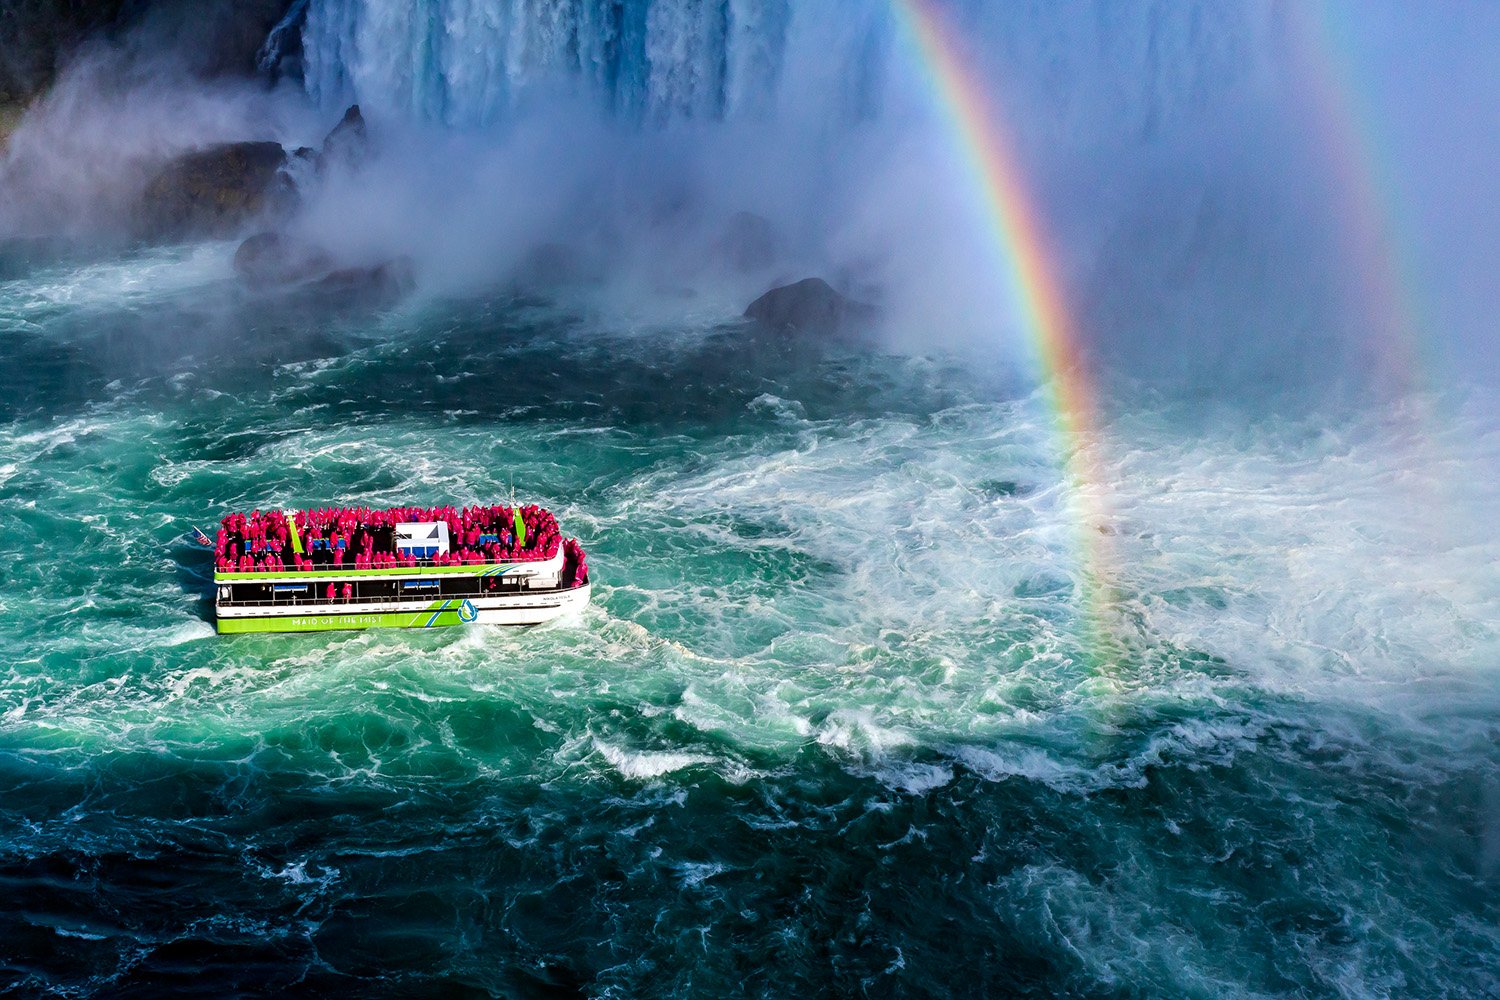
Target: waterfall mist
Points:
(1203, 220)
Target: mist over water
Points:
(873, 697)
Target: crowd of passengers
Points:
(361, 538)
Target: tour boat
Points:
(401, 567)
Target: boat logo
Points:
(467, 612)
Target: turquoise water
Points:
(833, 724)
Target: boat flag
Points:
(291, 521)
(201, 538)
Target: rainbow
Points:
(1027, 265)
(1382, 281)
(1365, 193)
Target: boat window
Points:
(250, 591)
(460, 586)
(375, 590)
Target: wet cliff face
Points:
(213, 37)
(35, 34)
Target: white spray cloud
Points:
(1170, 151)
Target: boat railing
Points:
(417, 565)
(339, 602)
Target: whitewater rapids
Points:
(833, 722)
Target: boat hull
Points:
(524, 608)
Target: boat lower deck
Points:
(526, 607)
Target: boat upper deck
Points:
(374, 542)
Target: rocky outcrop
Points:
(275, 261)
(810, 306)
(267, 260)
(208, 37)
(345, 145)
(216, 191)
(37, 35)
(213, 37)
(10, 117)
(366, 287)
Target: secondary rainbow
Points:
(1367, 197)
(1027, 265)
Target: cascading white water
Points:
(466, 62)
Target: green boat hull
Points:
(534, 608)
(341, 622)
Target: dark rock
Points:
(280, 55)
(346, 144)
(748, 243)
(213, 38)
(37, 36)
(216, 191)
(276, 261)
(10, 118)
(270, 259)
(375, 286)
(809, 306)
(208, 37)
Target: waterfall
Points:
(468, 62)
(465, 62)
